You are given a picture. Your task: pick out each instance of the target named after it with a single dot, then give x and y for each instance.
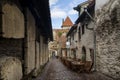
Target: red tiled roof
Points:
(67, 22)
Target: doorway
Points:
(83, 54)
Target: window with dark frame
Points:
(73, 36)
(79, 34)
(83, 29)
(70, 39)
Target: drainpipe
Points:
(94, 34)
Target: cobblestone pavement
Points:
(55, 70)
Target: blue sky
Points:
(60, 9)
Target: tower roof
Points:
(67, 22)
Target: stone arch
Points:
(54, 53)
(74, 53)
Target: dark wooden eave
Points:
(41, 12)
(72, 29)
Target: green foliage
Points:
(59, 34)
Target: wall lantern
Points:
(67, 44)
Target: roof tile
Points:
(67, 22)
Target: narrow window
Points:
(73, 36)
(79, 34)
(83, 29)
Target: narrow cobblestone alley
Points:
(55, 70)
(59, 39)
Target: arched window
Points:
(83, 29)
(83, 54)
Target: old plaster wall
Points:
(12, 26)
(37, 57)
(41, 50)
(11, 47)
(108, 38)
(87, 41)
(75, 43)
(10, 68)
(12, 21)
(43, 54)
(11, 40)
(30, 44)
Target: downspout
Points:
(94, 34)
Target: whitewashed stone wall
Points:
(87, 40)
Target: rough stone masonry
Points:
(108, 38)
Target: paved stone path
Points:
(55, 70)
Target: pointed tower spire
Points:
(67, 22)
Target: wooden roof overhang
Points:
(41, 12)
(72, 29)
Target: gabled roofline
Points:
(64, 23)
(71, 29)
(89, 8)
(81, 4)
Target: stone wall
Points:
(41, 50)
(12, 27)
(11, 47)
(37, 59)
(19, 42)
(37, 55)
(12, 21)
(108, 38)
(100, 3)
(11, 42)
(10, 68)
(30, 44)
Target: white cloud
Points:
(72, 12)
(58, 13)
(53, 2)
